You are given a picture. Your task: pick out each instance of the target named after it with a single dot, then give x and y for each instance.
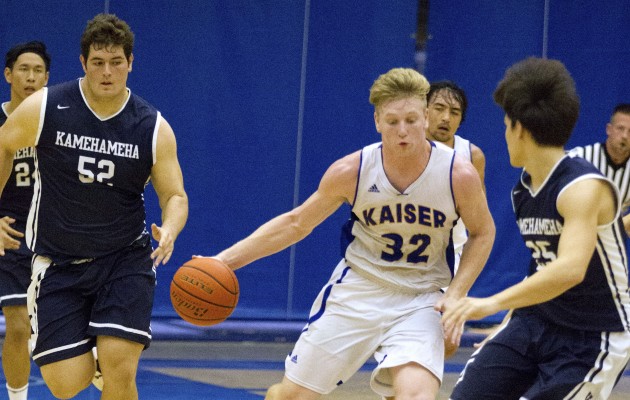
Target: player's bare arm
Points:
(167, 179)
(479, 162)
(19, 131)
(336, 187)
(584, 206)
(626, 223)
(473, 208)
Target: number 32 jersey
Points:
(91, 173)
(18, 191)
(401, 239)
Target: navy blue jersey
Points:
(601, 302)
(91, 175)
(18, 191)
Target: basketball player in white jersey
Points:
(447, 105)
(384, 296)
(612, 157)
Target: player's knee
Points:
(64, 388)
(273, 393)
(280, 391)
(18, 327)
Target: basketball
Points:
(204, 291)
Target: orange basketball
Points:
(204, 291)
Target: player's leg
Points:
(16, 359)
(411, 355)
(580, 365)
(287, 390)
(343, 332)
(414, 382)
(118, 359)
(120, 318)
(66, 378)
(59, 310)
(15, 276)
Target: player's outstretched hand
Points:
(8, 235)
(465, 309)
(166, 244)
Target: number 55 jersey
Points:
(90, 175)
(601, 301)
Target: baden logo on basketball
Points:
(181, 303)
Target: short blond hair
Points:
(398, 83)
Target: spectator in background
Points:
(26, 70)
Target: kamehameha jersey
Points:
(91, 174)
(620, 175)
(18, 191)
(400, 239)
(601, 302)
(460, 236)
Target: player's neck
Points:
(12, 104)
(403, 170)
(540, 166)
(104, 106)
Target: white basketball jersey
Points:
(462, 148)
(401, 239)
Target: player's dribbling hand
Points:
(8, 235)
(166, 243)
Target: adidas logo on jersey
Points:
(374, 189)
(294, 359)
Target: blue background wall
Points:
(263, 96)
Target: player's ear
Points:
(7, 75)
(83, 61)
(130, 62)
(376, 123)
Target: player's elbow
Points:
(298, 227)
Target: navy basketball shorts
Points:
(532, 359)
(70, 305)
(15, 276)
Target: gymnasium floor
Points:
(238, 361)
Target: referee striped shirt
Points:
(620, 174)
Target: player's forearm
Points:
(474, 257)
(626, 223)
(546, 284)
(270, 238)
(175, 214)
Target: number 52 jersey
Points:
(90, 175)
